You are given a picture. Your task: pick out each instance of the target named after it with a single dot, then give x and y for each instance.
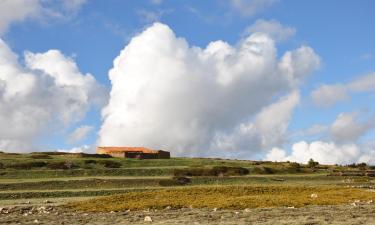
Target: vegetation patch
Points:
(225, 197)
(214, 171)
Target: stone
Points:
(148, 219)
(314, 195)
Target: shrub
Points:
(182, 180)
(294, 167)
(268, 170)
(263, 170)
(176, 181)
(110, 164)
(85, 155)
(1, 166)
(62, 165)
(312, 163)
(229, 171)
(40, 156)
(215, 171)
(362, 166)
(27, 165)
(90, 161)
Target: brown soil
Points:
(49, 214)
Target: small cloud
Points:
(273, 28)
(156, 2)
(328, 95)
(80, 134)
(17, 11)
(79, 149)
(367, 56)
(251, 7)
(350, 127)
(148, 16)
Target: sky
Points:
(247, 79)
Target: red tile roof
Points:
(126, 149)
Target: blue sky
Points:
(340, 33)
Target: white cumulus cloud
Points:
(330, 94)
(323, 152)
(273, 28)
(344, 146)
(349, 127)
(169, 95)
(45, 95)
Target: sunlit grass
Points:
(226, 197)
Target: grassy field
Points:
(217, 183)
(226, 197)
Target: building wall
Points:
(164, 154)
(117, 154)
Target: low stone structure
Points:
(134, 152)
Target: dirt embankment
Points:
(47, 214)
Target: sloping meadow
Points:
(227, 197)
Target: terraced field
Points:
(77, 184)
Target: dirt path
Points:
(48, 214)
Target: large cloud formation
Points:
(169, 95)
(343, 146)
(44, 95)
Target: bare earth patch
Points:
(361, 213)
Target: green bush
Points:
(312, 163)
(110, 164)
(40, 156)
(176, 181)
(27, 165)
(294, 167)
(62, 165)
(90, 161)
(1, 166)
(263, 170)
(215, 171)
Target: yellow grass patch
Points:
(226, 197)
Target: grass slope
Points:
(225, 197)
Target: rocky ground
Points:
(50, 214)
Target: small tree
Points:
(312, 163)
(362, 166)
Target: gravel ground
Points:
(49, 214)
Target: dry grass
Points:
(226, 197)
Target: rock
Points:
(369, 202)
(236, 213)
(28, 202)
(314, 195)
(215, 209)
(290, 207)
(148, 219)
(47, 201)
(168, 207)
(36, 221)
(247, 210)
(353, 204)
(112, 212)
